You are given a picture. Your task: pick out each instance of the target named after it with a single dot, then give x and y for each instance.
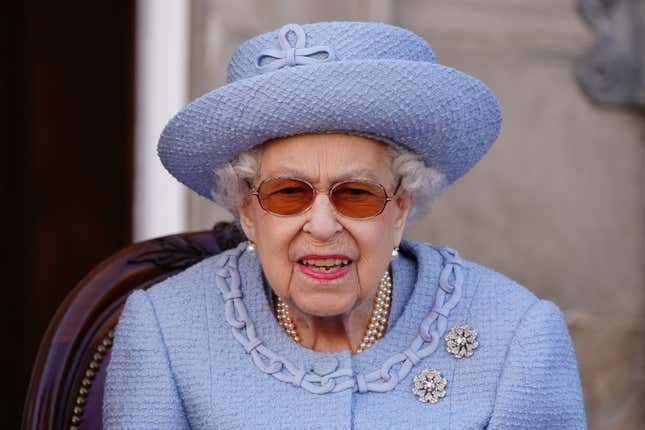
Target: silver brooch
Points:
(461, 341)
(429, 386)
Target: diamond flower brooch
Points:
(461, 341)
(429, 386)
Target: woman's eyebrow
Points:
(289, 171)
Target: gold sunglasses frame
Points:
(255, 191)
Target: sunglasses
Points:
(356, 198)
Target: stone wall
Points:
(558, 203)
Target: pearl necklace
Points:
(378, 320)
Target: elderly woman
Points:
(327, 138)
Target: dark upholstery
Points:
(66, 386)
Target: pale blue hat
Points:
(370, 79)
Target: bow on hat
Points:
(292, 55)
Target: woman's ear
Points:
(403, 205)
(246, 219)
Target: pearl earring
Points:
(250, 247)
(395, 252)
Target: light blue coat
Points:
(202, 350)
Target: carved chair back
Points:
(66, 386)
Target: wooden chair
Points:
(66, 386)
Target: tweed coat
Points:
(182, 358)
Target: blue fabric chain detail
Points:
(383, 379)
(292, 55)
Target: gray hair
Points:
(423, 183)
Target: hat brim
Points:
(451, 119)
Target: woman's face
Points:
(288, 246)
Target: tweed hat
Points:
(370, 79)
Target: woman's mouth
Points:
(325, 267)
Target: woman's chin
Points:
(324, 299)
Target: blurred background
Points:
(558, 204)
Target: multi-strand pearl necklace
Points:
(378, 320)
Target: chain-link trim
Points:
(383, 379)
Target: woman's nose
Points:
(322, 221)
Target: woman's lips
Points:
(327, 271)
(325, 276)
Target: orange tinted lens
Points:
(358, 199)
(285, 196)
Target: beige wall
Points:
(558, 204)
